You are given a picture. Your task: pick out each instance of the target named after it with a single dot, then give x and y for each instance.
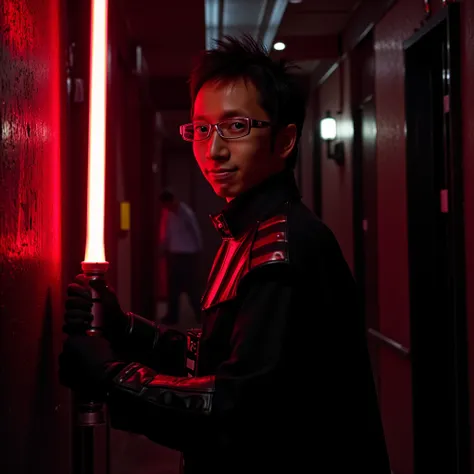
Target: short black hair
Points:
(166, 196)
(280, 94)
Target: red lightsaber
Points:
(95, 264)
(90, 412)
(95, 252)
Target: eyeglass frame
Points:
(252, 123)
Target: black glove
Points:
(86, 363)
(78, 317)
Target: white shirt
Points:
(182, 231)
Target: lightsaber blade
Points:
(95, 264)
(97, 113)
(91, 413)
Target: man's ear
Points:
(285, 141)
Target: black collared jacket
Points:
(284, 379)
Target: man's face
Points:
(235, 165)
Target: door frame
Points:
(448, 18)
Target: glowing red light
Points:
(97, 114)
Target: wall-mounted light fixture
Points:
(328, 130)
(328, 127)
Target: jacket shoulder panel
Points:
(230, 265)
(265, 244)
(270, 244)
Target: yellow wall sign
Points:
(125, 215)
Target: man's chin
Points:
(226, 191)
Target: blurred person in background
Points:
(181, 246)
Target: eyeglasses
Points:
(230, 129)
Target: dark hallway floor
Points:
(135, 454)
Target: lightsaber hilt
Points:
(91, 412)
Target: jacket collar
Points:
(256, 204)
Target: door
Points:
(435, 241)
(365, 218)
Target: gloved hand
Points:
(78, 316)
(85, 363)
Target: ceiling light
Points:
(279, 46)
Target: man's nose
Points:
(217, 147)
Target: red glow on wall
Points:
(56, 88)
(31, 72)
(18, 20)
(30, 131)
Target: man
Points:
(182, 245)
(283, 379)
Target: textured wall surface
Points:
(337, 180)
(397, 26)
(31, 410)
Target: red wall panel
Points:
(33, 408)
(395, 391)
